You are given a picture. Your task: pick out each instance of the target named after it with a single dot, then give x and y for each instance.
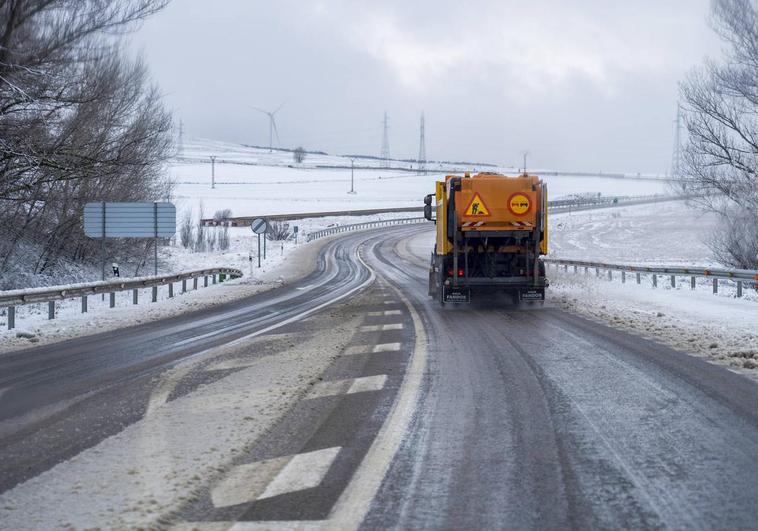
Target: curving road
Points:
(489, 415)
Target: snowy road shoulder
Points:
(721, 329)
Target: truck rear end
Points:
(491, 231)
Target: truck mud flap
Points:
(461, 295)
(532, 295)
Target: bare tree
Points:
(721, 156)
(200, 239)
(185, 230)
(299, 155)
(223, 214)
(224, 240)
(78, 122)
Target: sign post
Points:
(260, 226)
(155, 243)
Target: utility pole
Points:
(352, 178)
(676, 160)
(422, 146)
(213, 171)
(385, 153)
(181, 137)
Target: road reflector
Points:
(477, 207)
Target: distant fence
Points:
(739, 277)
(13, 298)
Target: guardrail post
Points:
(586, 271)
(610, 275)
(194, 283)
(184, 285)
(135, 296)
(673, 281)
(112, 301)
(639, 278)
(11, 317)
(692, 283)
(623, 277)
(576, 269)
(597, 272)
(715, 286)
(739, 288)
(170, 290)
(655, 280)
(205, 280)
(213, 276)
(84, 304)
(51, 309)
(155, 293)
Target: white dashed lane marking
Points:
(304, 471)
(377, 328)
(385, 312)
(273, 477)
(353, 385)
(386, 347)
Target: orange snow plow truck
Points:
(491, 232)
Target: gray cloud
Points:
(589, 84)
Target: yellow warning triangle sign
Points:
(477, 207)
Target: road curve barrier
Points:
(11, 299)
(360, 226)
(556, 206)
(738, 277)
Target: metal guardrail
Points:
(11, 299)
(557, 205)
(738, 276)
(367, 225)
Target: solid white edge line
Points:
(353, 505)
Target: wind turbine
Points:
(271, 125)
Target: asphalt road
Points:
(499, 417)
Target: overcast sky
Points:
(584, 85)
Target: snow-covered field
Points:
(660, 233)
(252, 181)
(719, 327)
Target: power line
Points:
(385, 153)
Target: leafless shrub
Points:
(299, 155)
(735, 242)
(279, 231)
(185, 230)
(223, 238)
(222, 215)
(210, 241)
(200, 239)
